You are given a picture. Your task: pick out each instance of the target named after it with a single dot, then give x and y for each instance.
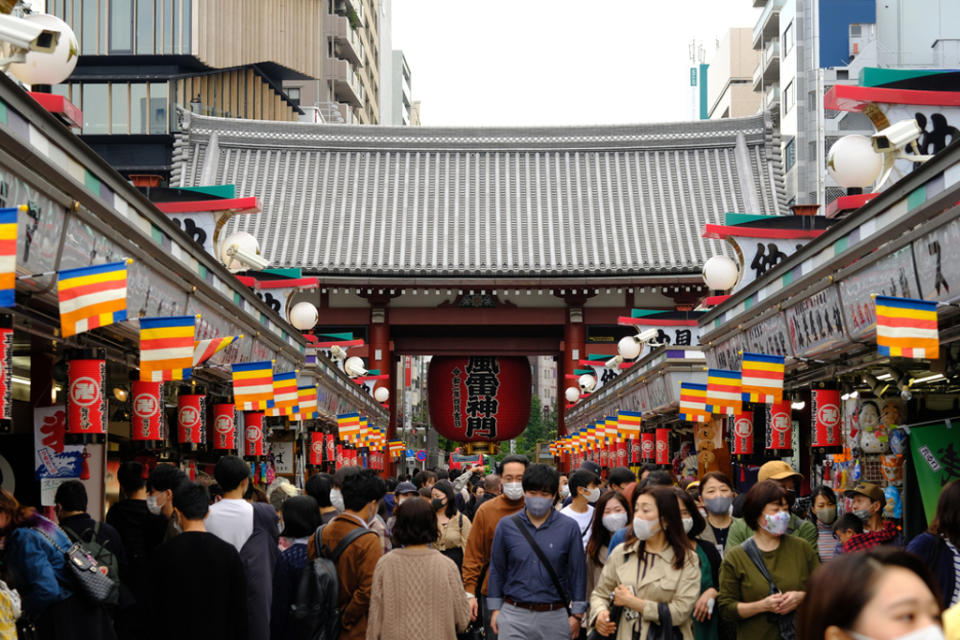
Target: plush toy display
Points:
(894, 506)
(898, 441)
(873, 434)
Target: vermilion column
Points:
(380, 358)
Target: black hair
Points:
(848, 522)
(318, 488)
(669, 512)
(599, 536)
(719, 476)
(130, 477)
(71, 496)
(513, 457)
(699, 524)
(191, 500)
(657, 478)
(165, 477)
(442, 474)
(422, 477)
(300, 516)
(215, 491)
(541, 477)
(946, 521)
(648, 467)
(425, 492)
(230, 472)
(756, 500)
(416, 523)
(446, 488)
(580, 478)
(621, 476)
(826, 492)
(361, 488)
(391, 485)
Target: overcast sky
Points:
(556, 62)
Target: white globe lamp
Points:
(629, 348)
(720, 273)
(572, 394)
(51, 68)
(381, 394)
(587, 383)
(303, 316)
(353, 366)
(240, 240)
(853, 163)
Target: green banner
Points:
(936, 457)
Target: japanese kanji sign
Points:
(86, 404)
(936, 457)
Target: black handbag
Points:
(663, 630)
(785, 623)
(90, 576)
(615, 613)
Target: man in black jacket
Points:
(71, 506)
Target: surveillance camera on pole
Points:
(23, 36)
(241, 252)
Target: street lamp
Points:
(853, 163)
(720, 273)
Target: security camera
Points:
(26, 35)
(338, 353)
(648, 336)
(613, 362)
(251, 260)
(241, 251)
(353, 367)
(896, 136)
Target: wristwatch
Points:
(469, 595)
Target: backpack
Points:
(88, 540)
(315, 612)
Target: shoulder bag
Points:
(517, 520)
(90, 575)
(785, 623)
(456, 553)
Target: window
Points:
(96, 108)
(855, 31)
(119, 108)
(843, 74)
(88, 34)
(158, 109)
(789, 96)
(138, 108)
(186, 16)
(121, 26)
(789, 155)
(293, 93)
(144, 26)
(788, 39)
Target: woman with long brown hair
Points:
(654, 575)
(611, 514)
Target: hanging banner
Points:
(253, 434)
(936, 459)
(147, 405)
(663, 446)
(86, 403)
(622, 454)
(331, 451)
(647, 446)
(635, 453)
(743, 434)
(340, 457)
(52, 457)
(779, 427)
(224, 427)
(191, 419)
(317, 446)
(604, 457)
(6, 373)
(827, 420)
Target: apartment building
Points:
(730, 91)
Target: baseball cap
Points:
(590, 465)
(867, 489)
(405, 487)
(776, 470)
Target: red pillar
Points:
(574, 338)
(380, 358)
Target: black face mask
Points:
(437, 504)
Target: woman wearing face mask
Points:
(939, 547)
(881, 594)
(653, 573)
(823, 513)
(611, 515)
(454, 527)
(716, 498)
(759, 608)
(705, 617)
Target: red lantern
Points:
(331, 453)
(315, 455)
(636, 451)
(86, 403)
(147, 405)
(663, 446)
(6, 373)
(647, 446)
(743, 434)
(622, 454)
(604, 457)
(827, 420)
(779, 431)
(191, 419)
(479, 398)
(253, 434)
(224, 427)
(340, 456)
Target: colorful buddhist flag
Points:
(8, 254)
(166, 348)
(628, 425)
(203, 349)
(907, 328)
(724, 394)
(306, 408)
(92, 297)
(348, 427)
(253, 385)
(610, 435)
(284, 394)
(762, 377)
(693, 402)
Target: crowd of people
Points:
(524, 553)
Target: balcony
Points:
(768, 26)
(346, 84)
(771, 98)
(346, 40)
(770, 62)
(758, 78)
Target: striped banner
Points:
(284, 394)
(92, 297)
(203, 349)
(8, 254)
(907, 328)
(253, 385)
(693, 402)
(611, 431)
(628, 425)
(762, 377)
(724, 394)
(348, 427)
(166, 348)
(306, 403)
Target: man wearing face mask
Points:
(585, 490)
(868, 503)
(476, 556)
(538, 570)
(164, 479)
(789, 480)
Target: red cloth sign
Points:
(663, 446)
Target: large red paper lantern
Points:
(6, 373)
(622, 454)
(253, 434)
(86, 403)
(191, 420)
(647, 446)
(317, 446)
(636, 451)
(779, 423)
(663, 446)
(479, 398)
(341, 459)
(146, 426)
(743, 434)
(331, 452)
(827, 420)
(224, 427)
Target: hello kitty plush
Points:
(873, 434)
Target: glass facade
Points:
(136, 108)
(144, 27)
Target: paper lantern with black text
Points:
(253, 434)
(146, 425)
(779, 427)
(191, 420)
(224, 427)
(827, 420)
(86, 402)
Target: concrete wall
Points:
(908, 29)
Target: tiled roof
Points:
(416, 201)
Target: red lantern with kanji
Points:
(663, 446)
(647, 446)
(341, 459)
(827, 420)
(331, 452)
(479, 398)
(779, 423)
(146, 425)
(191, 420)
(253, 434)
(604, 457)
(743, 434)
(86, 403)
(6, 373)
(317, 446)
(622, 453)
(224, 427)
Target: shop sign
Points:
(6, 373)
(827, 420)
(663, 446)
(148, 414)
(53, 458)
(770, 337)
(726, 355)
(224, 427)
(816, 323)
(937, 266)
(779, 427)
(86, 403)
(191, 419)
(659, 394)
(936, 457)
(892, 275)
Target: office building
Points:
(730, 91)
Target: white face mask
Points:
(594, 495)
(933, 632)
(513, 490)
(565, 491)
(687, 525)
(336, 499)
(614, 521)
(645, 529)
(153, 506)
